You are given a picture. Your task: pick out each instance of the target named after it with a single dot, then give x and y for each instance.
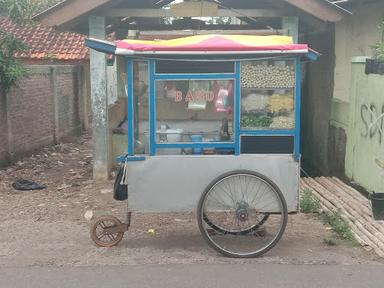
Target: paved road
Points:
(196, 275)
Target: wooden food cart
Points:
(213, 127)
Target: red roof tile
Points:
(45, 42)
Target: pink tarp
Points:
(215, 43)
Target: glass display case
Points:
(267, 95)
(185, 108)
(195, 103)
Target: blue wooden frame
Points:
(126, 158)
(238, 132)
(130, 114)
(152, 110)
(237, 105)
(277, 132)
(104, 47)
(203, 76)
(197, 145)
(296, 150)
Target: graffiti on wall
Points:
(372, 117)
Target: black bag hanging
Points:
(120, 188)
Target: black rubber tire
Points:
(200, 215)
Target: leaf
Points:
(11, 70)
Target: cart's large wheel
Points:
(99, 235)
(254, 228)
(239, 201)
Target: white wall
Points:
(112, 83)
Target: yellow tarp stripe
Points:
(246, 40)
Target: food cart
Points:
(213, 127)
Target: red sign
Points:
(198, 95)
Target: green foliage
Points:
(330, 241)
(21, 12)
(379, 51)
(308, 202)
(207, 20)
(11, 70)
(255, 121)
(378, 48)
(340, 226)
(219, 20)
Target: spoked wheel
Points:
(242, 214)
(101, 232)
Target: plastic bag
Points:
(26, 185)
(120, 188)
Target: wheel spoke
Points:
(262, 194)
(229, 195)
(218, 201)
(101, 236)
(110, 236)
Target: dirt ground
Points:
(47, 227)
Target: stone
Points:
(64, 186)
(88, 215)
(106, 191)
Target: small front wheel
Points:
(102, 233)
(242, 214)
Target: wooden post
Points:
(100, 131)
(291, 24)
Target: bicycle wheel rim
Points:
(275, 224)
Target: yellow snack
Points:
(279, 103)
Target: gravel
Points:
(47, 227)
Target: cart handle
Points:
(125, 158)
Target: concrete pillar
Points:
(100, 131)
(291, 24)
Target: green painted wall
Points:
(339, 114)
(354, 36)
(352, 145)
(364, 124)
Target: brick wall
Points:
(68, 102)
(47, 106)
(31, 112)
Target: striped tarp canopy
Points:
(212, 43)
(203, 45)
